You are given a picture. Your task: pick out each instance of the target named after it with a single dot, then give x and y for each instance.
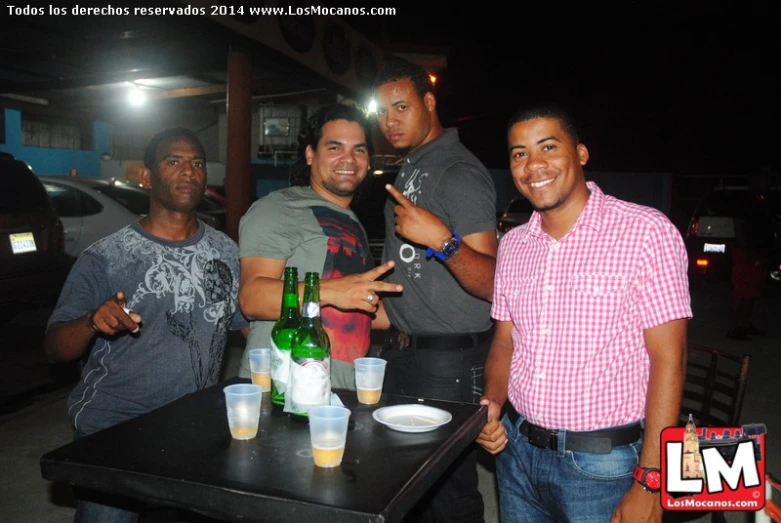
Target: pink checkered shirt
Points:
(579, 307)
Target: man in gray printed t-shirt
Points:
(151, 304)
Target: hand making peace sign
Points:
(357, 291)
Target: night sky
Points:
(656, 87)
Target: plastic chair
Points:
(713, 394)
(772, 511)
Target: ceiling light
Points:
(136, 97)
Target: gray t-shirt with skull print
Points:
(186, 293)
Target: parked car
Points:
(92, 208)
(216, 196)
(33, 264)
(212, 209)
(711, 232)
(517, 212)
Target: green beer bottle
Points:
(310, 355)
(282, 335)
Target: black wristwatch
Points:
(448, 250)
(649, 478)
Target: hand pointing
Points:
(416, 224)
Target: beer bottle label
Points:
(280, 367)
(311, 384)
(311, 310)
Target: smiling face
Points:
(178, 179)
(407, 120)
(547, 166)
(340, 162)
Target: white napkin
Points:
(335, 400)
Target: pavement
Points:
(33, 417)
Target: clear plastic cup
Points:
(328, 433)
(243, 405)
(369, 376)
(260, 367)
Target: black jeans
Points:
(455, 375)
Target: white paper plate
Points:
(412, 418)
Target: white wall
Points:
(134, 128)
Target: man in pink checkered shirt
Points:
(591, 302)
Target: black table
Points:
(182, 455)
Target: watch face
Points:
(653, 479)
(451, 247)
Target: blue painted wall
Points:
(48, 161)
(267, 177)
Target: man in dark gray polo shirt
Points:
(441, 233)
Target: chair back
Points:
(714, 388)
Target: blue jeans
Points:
(92, 512)
(557, 486)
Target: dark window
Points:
(70, 202)
(134, 200)
(90, 205)
(722, 203)
(45, 131)
(66, 200)
(731, 203)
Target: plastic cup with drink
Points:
(260, 367)
(328, 433)
(369, 376)
(243, 406)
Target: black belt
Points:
(596, 441)
(400, 340)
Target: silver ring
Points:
(370, 298)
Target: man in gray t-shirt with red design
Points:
(311, 226)
(440, 227)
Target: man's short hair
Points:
(395, 69)
(310, 135)
(150, 153)
(551, 110)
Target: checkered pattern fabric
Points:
(579, 307)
